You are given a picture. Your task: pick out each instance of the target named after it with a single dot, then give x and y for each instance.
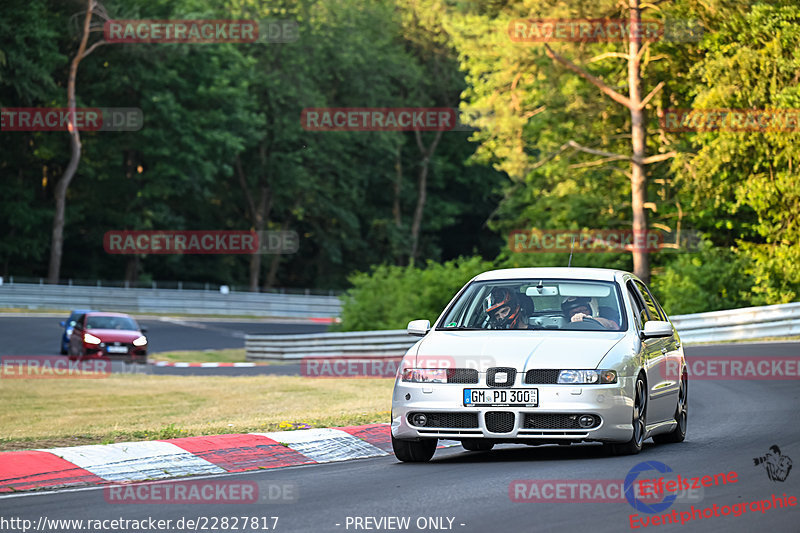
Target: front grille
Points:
(462, 375)
(555, 421)
(541, 377)
(448, 420)
(511, 376)
(499, 421)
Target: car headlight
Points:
(425, 375)
(587, 377)
(88, 338)
(141, 341)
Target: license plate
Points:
(117, 349)
(501, 397)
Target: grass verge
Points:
(43, 413)
(234, 355)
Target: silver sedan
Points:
(543, 355)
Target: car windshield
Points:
(110, 322)
(537, 304)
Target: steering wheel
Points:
(590, 321)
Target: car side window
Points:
(638, 306)
(648, 300)
(661, 311)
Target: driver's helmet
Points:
(497, 299)
(573, 302)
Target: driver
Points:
(504, 310)
(576, 309)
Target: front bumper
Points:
(613, 405)
(133, 353)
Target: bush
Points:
(389, 297)
(709, 280)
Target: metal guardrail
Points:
(190, 302)
(740, 324)
(385, 343)
(734, 324)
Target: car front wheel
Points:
(414, 451)
(639, 420)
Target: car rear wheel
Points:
(639, 420)
(414, 451)
(477, 445)
(681, 417)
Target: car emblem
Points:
(501, 377)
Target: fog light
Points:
(586, 421)
(419, 419)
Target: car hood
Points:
(115, 335)
(522, 350)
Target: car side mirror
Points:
(143, 330)
(657, 328)
(419, 328)
(63, 323)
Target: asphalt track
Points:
(36, 335)
(730, 423)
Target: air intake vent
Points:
(541, 377)
(500, 421)
(447, 420)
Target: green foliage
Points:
(389, 296)
(745, 186)
(711, 279)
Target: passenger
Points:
(576, 309)
(504, 310)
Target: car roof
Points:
(598, 274)
(103, 313)
(81, 311)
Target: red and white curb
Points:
(163, 459)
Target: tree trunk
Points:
(641, 259)
(635, 104)
(422, 190)
(269, 282)
(60, 192)
(398, 187)
(259, 213)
